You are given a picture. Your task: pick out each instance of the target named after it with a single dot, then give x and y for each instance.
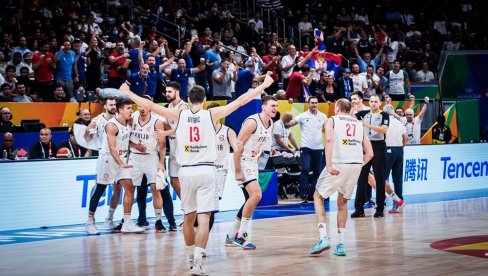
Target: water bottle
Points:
(5, 155)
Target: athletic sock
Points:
(243, 227)
(198, 255)
(340, 232)
(189, 252)
(126, 217)
(91, 219)
(322, 230)
(235, 228)
(111, 212)
(158, 213)
(395, 197)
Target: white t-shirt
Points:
(359, 82)
(394, 135)
(287, 61)
(413, 130)
(395, 46)
(311, 127)
(424, 77)
(370, 90)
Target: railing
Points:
(166, 26)
(280, 22)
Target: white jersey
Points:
(258, 140)
(348, 140)
(223, 148)
(144, 134)
(121, 140)
(196, 138)
(101, 121)
(396, 82)
(172, 124)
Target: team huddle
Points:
(132, 144)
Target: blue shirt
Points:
(137, 84)
(152, 81)
(182, 79)
(244, 81)
(212, 56)
(134, 66)
(64, 67)
(363, 64)
(81, 66)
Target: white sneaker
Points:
(91, 229)
(109, 223)
(198, 269)
(130, 227)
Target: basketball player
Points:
(345, 143)
(146, 157)
(196, 153)
(97, 126)
(255, 133)
(112, 168)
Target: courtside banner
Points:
(57, 192)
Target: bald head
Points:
(287, 117)
(8, 136)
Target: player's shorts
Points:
(143, 164)
(174, 166)
(343, 183)
(220, 177)
(197, 188)
(108, 171)
(249, 168)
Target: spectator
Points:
(16, 62)
(372, 80)
(298, 81)
(22, 48)
(271, 63)
(10, 76)
(6, 120)
(245, 78)
(288, 62)
(80, 61)
(119, 63)
(363, 63)
(359, 81)
(425, 75)
(282, 136)
(76, 150)
(94, 59)
(238, 50)
(222, 79)
(345, 84)
(8, 146)
(138, 81)
(44, 148)
(280, 95)
(84, 117)
(22, 96)
(413, 123)
(43, 65)
(6, 93)
(212, 59)
(59, 94)
(383, 82)
(258, 23)
(134, 65)
(412, 73)
(441, 134)
(65, 63)
(181, 74)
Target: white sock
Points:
(395, 197)
(235, 228)
(126, 217)
(243, 228)
(158, 213)
(340, 232)
(91, 219)
(189, 251)
(198, 255)
(111, 212)
(322, 230)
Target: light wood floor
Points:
(395, 245)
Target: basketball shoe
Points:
(91, 229)
(229, 242)
(130, 227)
(198, 269)
(244, 243)
(159, 227)
(321, 245)
(340, 250)
(109, 223)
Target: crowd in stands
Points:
(55, 51)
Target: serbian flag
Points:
(322, 60)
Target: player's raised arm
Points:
(223, 111)
(161, 110)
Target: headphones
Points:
(11, 115)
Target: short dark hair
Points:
(57, 85)
(268, 98)
(10, 67)
(122, 102)
(311, 98)
(214, 42)
(196, 94)
(5, 85)
(175, 85)
(105, 100)
(305, 68)
(359, 94)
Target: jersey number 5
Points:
(350, 130)
(194, 134)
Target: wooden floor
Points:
(395, 245)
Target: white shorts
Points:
(343, 183)
(174, 167)
(109, 172)
(197, 189)
(249, 168)
(220, 177)
(143, 164)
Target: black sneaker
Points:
(118, 228)
(159, 227)
(358, 214)
(378, 214)
(173, 227)
(303, 201)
